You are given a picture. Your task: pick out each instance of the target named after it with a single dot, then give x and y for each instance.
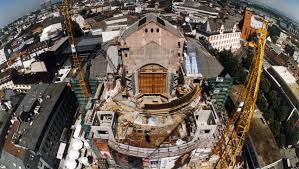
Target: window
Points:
(126, 55)
(102, 132)
(152, 30)
(179, 44)
(145, 30)
(157, 30)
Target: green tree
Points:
(284, 112)
(274, 99)
(276, 128)
(262, 103)
(292, 133)
(265, 85)
(232, 65)
(282, 140)
(271, 114)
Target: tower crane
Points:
(65, 7)
(230, 145)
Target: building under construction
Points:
(152, 113)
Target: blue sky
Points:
(12, 9)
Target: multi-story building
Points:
(196, 10)
(221, 34)
(3, 55)
(155, 116)
(221, 87)
(32, 141)
(251, 23)
(12, 79)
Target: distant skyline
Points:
(13, 9)
(286, 7)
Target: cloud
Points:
(288, 7)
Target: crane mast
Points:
(230, 145)
(75, 56)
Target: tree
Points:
(276, 129)
(292, 133)
(246, 62)
(265, 85)
(283, 112)
(232, 65)
(274, 99)
(271, 114)
(262, 103)
(282, 140)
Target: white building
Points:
(221, 35)
(256, 22)
(51, 31)
(7, 82)
(196, 10)
(3, 55)
(79, 19)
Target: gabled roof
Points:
(151, 18)
(214, 25)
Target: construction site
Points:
(141, 101)
(151, 111)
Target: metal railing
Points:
(184, 99)
(163, 151)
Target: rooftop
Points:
(4, 116)
(207, 64)
(98, 67)
(35, 129)
(285, 74)
(201, 7)
(214, 25)
(86, 44)
(58, 43)
(151, 18)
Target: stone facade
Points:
(156, 45)
(152, 42)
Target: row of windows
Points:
(227, 46)
(225, 42)
(219, 37)
(152, 30)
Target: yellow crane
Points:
(230, 145)
(66, 9)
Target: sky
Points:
(13, 9)
(287, 7)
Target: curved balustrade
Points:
(162, 151)
(184, 99)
